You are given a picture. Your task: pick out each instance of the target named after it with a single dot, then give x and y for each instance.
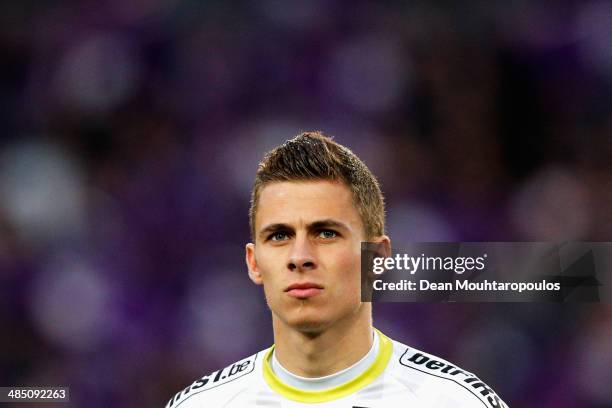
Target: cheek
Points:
(268, 264)
(347, 265)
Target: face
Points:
(307, 253)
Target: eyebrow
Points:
(327, 223)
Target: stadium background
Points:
(130, 136)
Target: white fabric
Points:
(329, 381)
(411, 378)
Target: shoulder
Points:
(218, 386)
(428, 375)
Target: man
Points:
(313, 203)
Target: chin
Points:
(310, 329)
(309, 324)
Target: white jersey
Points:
(401, 376)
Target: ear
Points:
(385, 247)
(251, 262)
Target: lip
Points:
(304, 290)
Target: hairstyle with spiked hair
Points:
(314, 156)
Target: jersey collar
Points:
(342, 390)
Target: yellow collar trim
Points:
(342, 390)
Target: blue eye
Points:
(278, 236)
(328, 234)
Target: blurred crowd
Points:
(131, 131)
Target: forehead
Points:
(291, 202)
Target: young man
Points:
(313, 203)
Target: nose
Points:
(301, 257)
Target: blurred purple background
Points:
(131, 131)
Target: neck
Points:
(326, 351)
